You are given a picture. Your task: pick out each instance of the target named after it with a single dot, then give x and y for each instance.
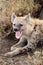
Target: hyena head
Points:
(20, 25)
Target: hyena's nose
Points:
(15, 29)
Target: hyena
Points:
(29, 30)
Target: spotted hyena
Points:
(29, 30)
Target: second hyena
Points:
(28, 30)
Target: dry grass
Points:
(9, 6)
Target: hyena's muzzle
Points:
(18, 30)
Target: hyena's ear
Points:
(28, 18)
(13, 16)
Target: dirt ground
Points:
(28, 58)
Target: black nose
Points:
(15, 29)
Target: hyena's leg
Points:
(30, 45)
(14, 52)
(21, 48)
(21, 43)
(16, 49)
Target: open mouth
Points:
(18, 34)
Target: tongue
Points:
(18, 34)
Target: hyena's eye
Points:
(14, 24)
(21, 24)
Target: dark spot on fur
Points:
(35, 27)
(40, 43)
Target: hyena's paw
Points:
(8, 54)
